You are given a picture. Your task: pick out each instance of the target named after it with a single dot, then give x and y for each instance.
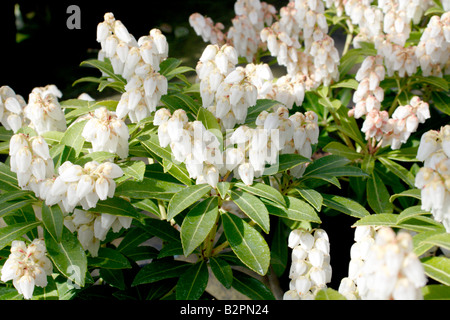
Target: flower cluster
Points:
(206, 28)
(243, 34)
(27, 266)
(383, 266)
(106, 132)
(433, 49)
(368, 97)
(434, 178)
(310, 269)
(30, 160)
(137, 61)
(11, 109)
(92, 228)
(81, 185)
(44, 111)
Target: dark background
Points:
(44, 51)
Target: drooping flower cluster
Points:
(368, 97)
(11, 109)
(434, 177)
(243, 34)
(206, 28)
(27, 266)
(106, 132)
(92, 228)
(137, 61)
(30, 160)
(310, 269)
(433, 49)
(44, 111)
(226, 90)
(383, 267)
(369, 94)
(81, 185)
(190, 143)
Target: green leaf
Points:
(248, 244)
(331, 105)
(263, 190)
(133, 169)
(73, 138)
(414, 193)
(437, 268)
(378, 195)
(440, 100)
(15, 231)
(297, 210)
(342, 150)
(325, 163)
(162, 229)
(411, 212)
(10, 294)
(252, 207)
(99, 156)
(113, 277)
(104, 66)
(441, 240)
(347, 83)
(193, 282)
(251, 287)
(399, 171)
(436, 292)
(68, 256)
(9, 207)
(118, 207)
(160, 270)
(285, 162)
(261, 105)
(109, 258)
(151, 143)
(222, 188)
(198, 223)
(211, 124)
(382, 219)
(437, 82)
(329, 294)
(278, 249)
(53, 220)
(168, 65)
(185, 198)
(8, 179)
(344, 205)
(313, 197)
(148, 188)
(222, 271)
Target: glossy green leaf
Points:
(14, 205)
(378, 195)
(263, 190)
(248, 244)
(73, 138)
(109, 258)
(261, 105)
(8, 179)
(211, 124)
(251, 287)
(118, 207)
(15, 231)
(329, 294)
(68, 256)
(113, 277)
(414, 193)
(222, 188)
(399, 171)
(342, 150)
(285, 162)
(441, 240)
(222, 271)
(436, 292)
(149, 188)
(159, 270)
(193, 282)
(53, 219)
(198, 223)
(437, 268)
(345, 205)
(313, 197)
(185, 198)
(133, 169)
(252, 207)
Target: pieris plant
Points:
(225, 172)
